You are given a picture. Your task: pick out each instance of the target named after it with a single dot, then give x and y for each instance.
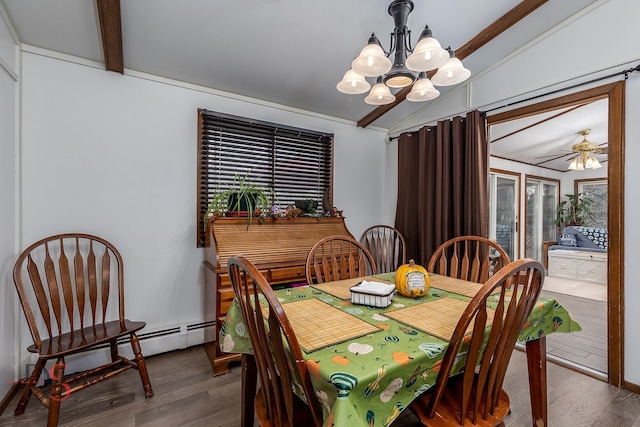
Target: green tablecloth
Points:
(369, 380)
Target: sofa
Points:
(581, 254)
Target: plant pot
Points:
(243, 208)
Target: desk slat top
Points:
(282, 241)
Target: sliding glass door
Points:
(503, 211)
(541, 206)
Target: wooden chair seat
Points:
(80, 340)
(302, 415)
(71, 287)
(448, 412)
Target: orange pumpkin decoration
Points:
(340, 360)
(313, 366)
(401, 357)
(412, 280)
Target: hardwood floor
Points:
(587, 349)
(187, 394)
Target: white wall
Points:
(591, 44)
(8, 102)
(632, 231)
(115, 155)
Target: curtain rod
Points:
(619, 73)
(625, 72)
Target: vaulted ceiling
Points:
(288, 52)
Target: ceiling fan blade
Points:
(547, 156)
(562, 153)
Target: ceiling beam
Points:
(502, 24)
(111, 32)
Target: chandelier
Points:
(585, 159)
(409, 64)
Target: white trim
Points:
(184, 85)
(8, 69)
(5, 18)
(19, 321)
(7, 21)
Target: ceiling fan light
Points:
(372, 60)
(380, 95)
(573, 165)
(353, 83)
(589, 163)
(428, 54)
(596, 164)
(580, 166)
(451, 73)
(423, 90)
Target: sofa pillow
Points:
(582, 241)
(568, 240)
(599, 236)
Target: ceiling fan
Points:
(586, 146)
(582, 154)
(586, 150)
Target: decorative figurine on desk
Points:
(275, 211)
(335, 212)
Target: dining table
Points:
(368, 363)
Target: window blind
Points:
(296, 163)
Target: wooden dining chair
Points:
(471, 258)
(71, 287)
(276, 352)
(387, 246)
(337, 258)
(475, 396)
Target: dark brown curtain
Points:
(443, 174)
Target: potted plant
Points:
(573, 211)
(242, 196)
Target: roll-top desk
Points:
(278, 248)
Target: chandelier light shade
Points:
(428, 54)
(401, 70)
(353, 83)
(380, 94)
(451, 72)
(372, 60)
(422, 89)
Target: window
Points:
(296, 163)
(597, 191)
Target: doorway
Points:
(614, 92)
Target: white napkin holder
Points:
(374, 294)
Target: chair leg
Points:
(56, 393)
(114, 350)
(26, 393)
(142, 367)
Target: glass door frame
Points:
(516, 239)
(539, 231)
